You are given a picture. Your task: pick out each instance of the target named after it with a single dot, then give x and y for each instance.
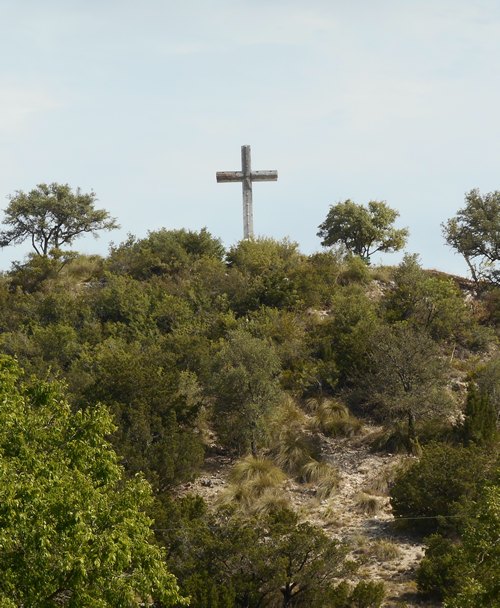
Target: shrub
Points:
(440, 571)
(367, 594)
(426, 495)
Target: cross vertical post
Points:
(246, 166)
(246, 176)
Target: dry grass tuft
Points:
(257, 473)
(381, 484)
(323, 476)
(333, 418)
(369, 505)
(254, 486)
(384, 550)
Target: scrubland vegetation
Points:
(121, 375)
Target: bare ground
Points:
(359, 513)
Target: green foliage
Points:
(318, 278)
(405, 377)
(154, 404)
(164, 252)
(287, 330)
(70, 526)
(487, 378)
(51, 216)
(427, 495)
(245, 387)
(264, 272)
(473, 233)
(266, 561)
(355, 271)
(367, 594)
(479, 583)
(430, 303)
(479, 425)
(362, 230)
(465, 573)
(342, 339)
(441, 570)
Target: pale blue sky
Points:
(143, 102)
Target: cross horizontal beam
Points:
(239, 176)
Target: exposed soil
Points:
(359, 513)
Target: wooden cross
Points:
(246, 176)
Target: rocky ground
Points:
(359, 512)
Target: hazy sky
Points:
(394, 100)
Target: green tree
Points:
(463, 570)
(479, 585)
(487, 378)
(362, 230)
(404, 377)
(52, 215)
(427, 302)
(479, 424)
(427, 495)
(264, 272)
(164, 252)
(245, 386)
(258, 562)
(474, 233)
(73, 532)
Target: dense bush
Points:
(426, 496)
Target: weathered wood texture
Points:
(246, 176)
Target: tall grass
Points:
(255, 486)
(325, 477)
(333, 418)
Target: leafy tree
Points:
(259, 562)
(404, 377)
(264, 272)
(474, 233)
(441, 570)
(479, 585)
(164, 252)
(465, 572)
(245, 385)
(428, 302)
(155, 405)
(487, 378)
(73, 532)
(362, 230)
(50, 216)
(479, 424)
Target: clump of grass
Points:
(384, 274)
(271, 500)
(294, 451)
(291, 446)
(381, 484)
(254, 486)
(333, 418)
(258, 473)
(83, 267)
(323, 476)
(384, 550)
(287, 416)
(330, 515)
(393, 440)
(370, 505)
